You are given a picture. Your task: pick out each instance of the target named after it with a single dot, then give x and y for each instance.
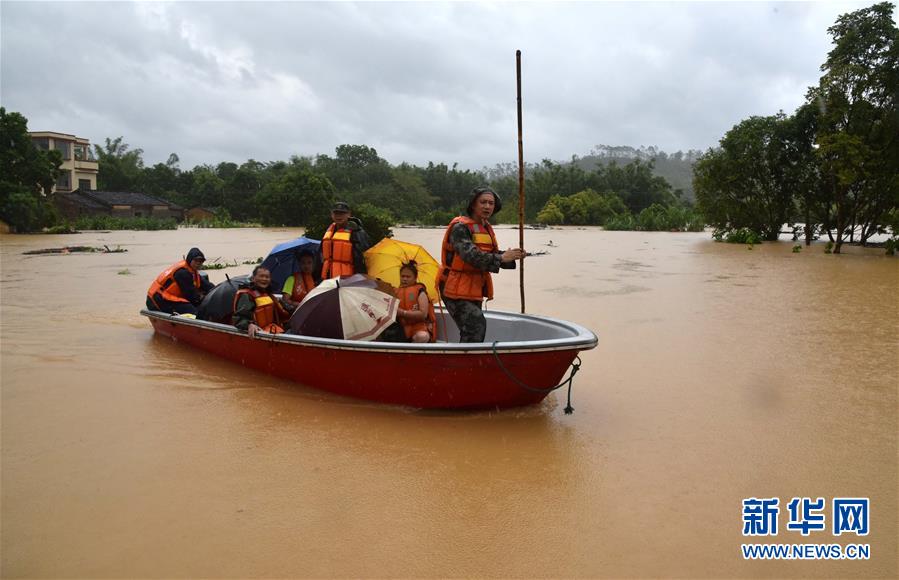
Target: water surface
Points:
(721, 374)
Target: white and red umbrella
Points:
(352, 308)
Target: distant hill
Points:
(676, 168)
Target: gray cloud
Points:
(417, 81)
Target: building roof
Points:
(125, 198)
(205, 208)
(80, 199)
(59, 136)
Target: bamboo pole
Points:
(520, 181)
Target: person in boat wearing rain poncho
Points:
(256, 308)
(468, 254)
(179, 289)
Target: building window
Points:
(64, 181)
(41, 143)
(84, 184)
(64, 148)
(83, 152)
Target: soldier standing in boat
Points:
(468, 255)
(343, 244)
(179, 289)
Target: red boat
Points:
(523, 359)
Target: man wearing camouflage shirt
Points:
(468, 255)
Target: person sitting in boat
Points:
(468, 255)
(179, 289)
(256, 308)
(301, 282)
(343, 244)
(415, 313)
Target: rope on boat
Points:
(575, 367)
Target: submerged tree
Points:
(858, 129)
(27, 175)
(742, 184)
(836, 159)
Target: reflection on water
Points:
(720, 374)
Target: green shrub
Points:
(621, 222)
(26, 212)
(737, 236)
(551, 214)
(890, 246)
(438, 217)
(106, 222)
(221, 219)
(64, 228)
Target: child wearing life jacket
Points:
(415, 313)
(256, 308)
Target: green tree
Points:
(208, 188)
(295, 198)
(241, 188)
(27, 175)
(551, 214)
(636, 184)
(858, 131)
(353, 168)
(450, 186)
(801, 169)
(741, 184)
(585, 207)
(161, 179)
(404, 196)
(551, 178)
(121, 168)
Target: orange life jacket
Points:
(298, 285)
(408, 297)
(337, 252)
(269, 314)
(166, 286)
(461, 280)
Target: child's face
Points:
(306, 264)
(407, 278)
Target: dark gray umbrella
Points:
(218, 305)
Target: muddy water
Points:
(721, 374)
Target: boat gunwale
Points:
(583, 339)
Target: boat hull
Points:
(431, 378)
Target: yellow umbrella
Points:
(385, 259)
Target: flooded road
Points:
(721, 374)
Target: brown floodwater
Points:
(721, 374)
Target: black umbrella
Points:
(218, 305)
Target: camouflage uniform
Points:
(467, 314)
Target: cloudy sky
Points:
(227, 81)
